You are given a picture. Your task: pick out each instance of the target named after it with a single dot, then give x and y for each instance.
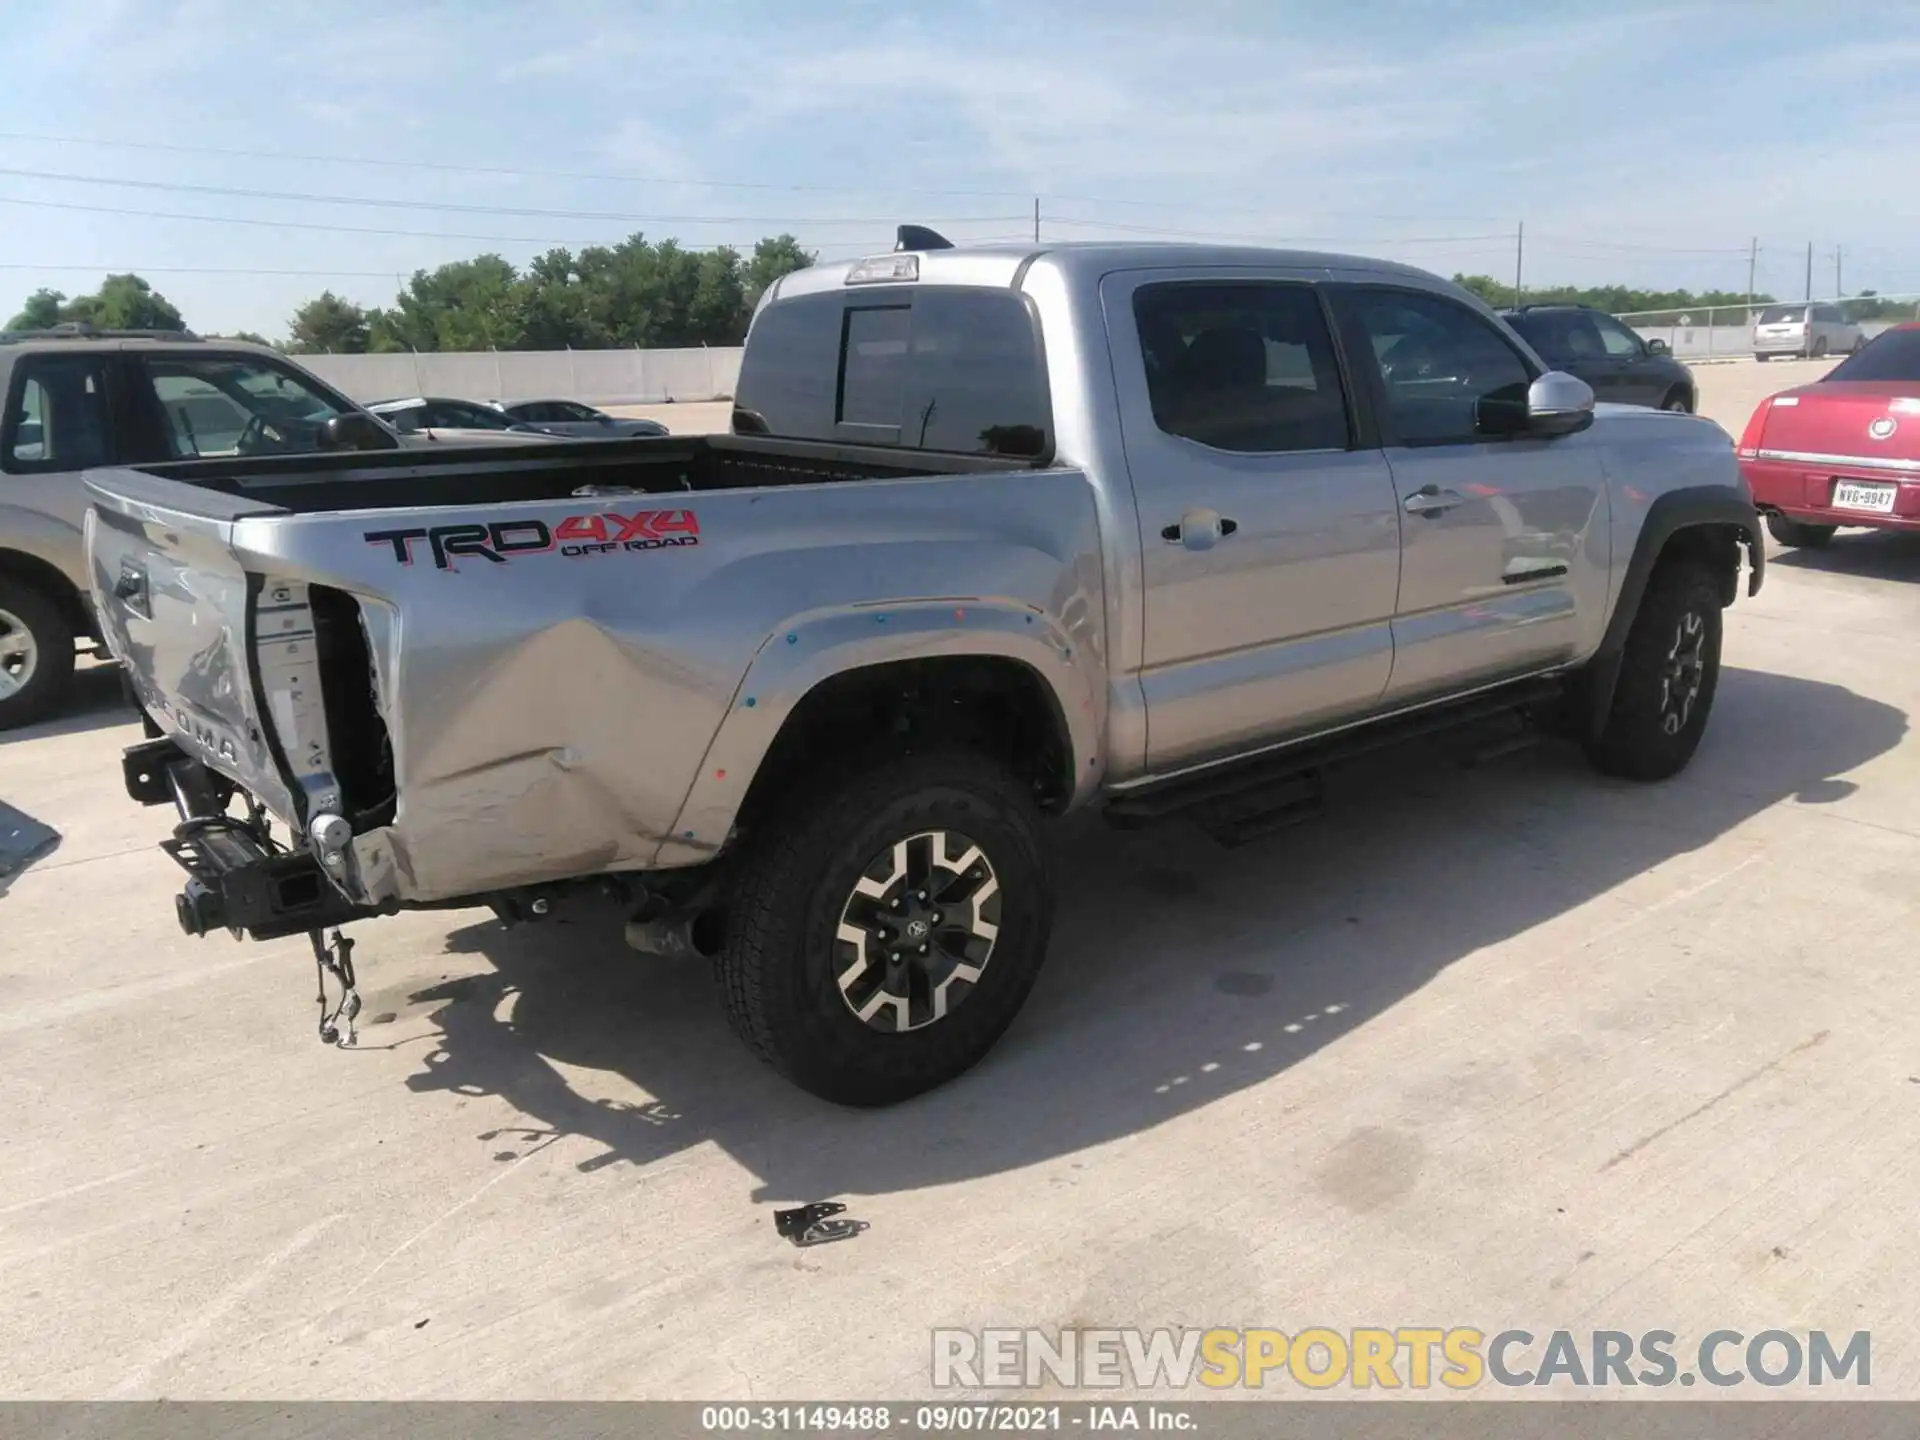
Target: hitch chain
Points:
(335, 957)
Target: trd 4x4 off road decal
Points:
(604, 533)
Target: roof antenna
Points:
(919, 237)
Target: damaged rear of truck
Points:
(488, 679)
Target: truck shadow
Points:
(98, 700)
(1876, 555)
(1179, 973)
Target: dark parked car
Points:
(1616, 362)
(570, 417)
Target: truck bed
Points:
(389, 479)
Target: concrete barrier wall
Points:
(1697, 342)
(598, 377)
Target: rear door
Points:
(59, 420)
(1268, 525)
(1504, 562)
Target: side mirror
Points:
(354, 430)
(1559, 404)
(1656, 347)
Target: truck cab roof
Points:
(1004, 263)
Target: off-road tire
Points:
(781, 955)
(52, 667)
(1798, 533)
(1636, 742)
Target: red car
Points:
(1844, 450)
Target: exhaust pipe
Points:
(676, 935)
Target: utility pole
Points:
(1036, 219)
(1519, 258)
(1753, 259)
(1809, 271)
(1838, 292)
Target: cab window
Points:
(235, 406)
(1447, 374)
(57, 416)
(1242, 366)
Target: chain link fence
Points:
(1725, 332)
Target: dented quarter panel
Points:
(548, 713)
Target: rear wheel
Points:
(1798, 533)
(883, 933)
(36, 655)
(1678, 399)
(1669, 671)
(1820, 348)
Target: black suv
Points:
(1618, 364)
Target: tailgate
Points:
(176, 610)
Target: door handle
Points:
(1432, 500)
(1199, 530)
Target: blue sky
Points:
(1646, 143)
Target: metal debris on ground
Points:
(23, 839)
(809, 1225)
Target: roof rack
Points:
(83, 330)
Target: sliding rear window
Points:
(951, 369)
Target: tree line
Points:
(655, 295)
(1625, 300)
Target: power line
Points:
(343, 229)
(195, 270)
(1573, 242)
(385, 203)
(1270, 239)
(618, 178)
(495, 170)
(315, 274)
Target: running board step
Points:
(1285, 785)
(1261, 811)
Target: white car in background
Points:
(1806, 331)
(427, 419)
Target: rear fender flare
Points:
(1669, 515)
(799, 656)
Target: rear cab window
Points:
(57, 417)
(947, 368)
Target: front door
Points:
(1641, 381)
(1270, 535)
(1506, 550)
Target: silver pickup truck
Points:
(999, 533)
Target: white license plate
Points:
(1859, 495)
